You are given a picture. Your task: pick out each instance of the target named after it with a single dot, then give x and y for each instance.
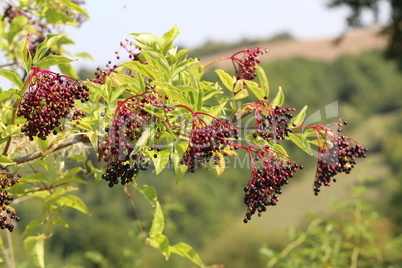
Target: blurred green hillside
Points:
(207, 211)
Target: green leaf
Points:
(277, 147)
(168, 38)
(263, 81)
(68, 70)
(186, 251)
(149, 193)
(146, 41)
(161, 243)
(26, 56)
(160, 161)
(117, 93)
(60, 221)
(52, 60)
(158, 223)
(43, 144)
(255, 88)
(240, 91)
(299, 118)
(12, 76)
(279, 98)
(159, 63)
(72, 201)
(227, 80)
(301, 142)
(43, 47)
(4, 160)
(183, 66)
(179, 150)
(31, 227)
(35, 248)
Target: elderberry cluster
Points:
(246, 65)
(128, 124)
(272, 123)
(205, 140)
(266, 182)
(334, 157)
(7, 180)
(127, 169)
(49, 98)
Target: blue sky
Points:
(198, 21)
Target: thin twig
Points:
(130, 197)
(64, 144)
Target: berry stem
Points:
(215, 61)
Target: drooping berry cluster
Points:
(246, 65)
(270, 172)
(205, 140)
(7, 180)
(49, 98)
(272, 121)
(337, 153)
(128, 124)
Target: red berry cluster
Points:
(205, 140)
(336, 154)
(272, 121)
(128, 124)
(270, 172)
(7, 180)
(49, 98)
(246, 65)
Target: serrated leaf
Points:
(4, 160)
(161, 243)
(43, 47)
(186, 251)
(216, 110)
(117, 93)
(168, 38)
(279, 98)
(263, 81)
(31, 227)
(299, 118)
(52, 60)
(158, 222)
(35, 248)
(255, 88)
(227, 80)
(12, 76)
(183, 66)
(301, 142)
